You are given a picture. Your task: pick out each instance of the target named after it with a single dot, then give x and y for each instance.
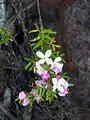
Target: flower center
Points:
(57, 84)
(44, 58)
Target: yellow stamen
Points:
(34, 69)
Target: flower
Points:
(33, 92)
(25, 102)
(22, 95)
(40, 83)
(56, 70)
(58, 77)
(44, 58)
(56, 62)
(56, 66)
(45, 75)
(60, 84)
(63, 93)
(39, 69)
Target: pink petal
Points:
(45, 76)
(22, 95)
(25, 102)
(63, 93)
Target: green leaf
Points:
(33, 31)
(5, 36)
(45, 67)
(37, 27)
(48, 31)
(61, 55)
(71, 85)
(20, 101)
(35, 39)
(47, 38)
(32, 44)
(28, 59)
(28, 65)
(38, 45)
(66, 77)
(16, 99)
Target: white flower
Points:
(56, 63)
(60, 84)
(44, 58)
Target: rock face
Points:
(78, 38)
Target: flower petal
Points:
(40, 54)
(58, 59)
(59, 65)
(25, 102)
(49, 61)
(61, 89)
(66, 85)
(41, 61)
(61, 81)
(48, 53)
(54, 88)
(54, 81)
(40, 71)
(37, 65)
(63, 93)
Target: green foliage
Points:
(43, 38)
(5, 36)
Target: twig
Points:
(39, 12)
(18, 75)
(40, 20)
(18, 45)
(29, 6)
(13, 68)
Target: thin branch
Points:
(29, 6)
(12, 68)
(18, 46)
(39, 12)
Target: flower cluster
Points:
(50, 79)
(59, 83)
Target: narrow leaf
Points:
(33, 31)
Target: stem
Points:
(41, 24)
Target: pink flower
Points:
(63, 93)
(58, 77)
(56, 69)
(22, 95)
(40, 83)
(33, 92)
(25, 102)
(56, 66)
(45, 75)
